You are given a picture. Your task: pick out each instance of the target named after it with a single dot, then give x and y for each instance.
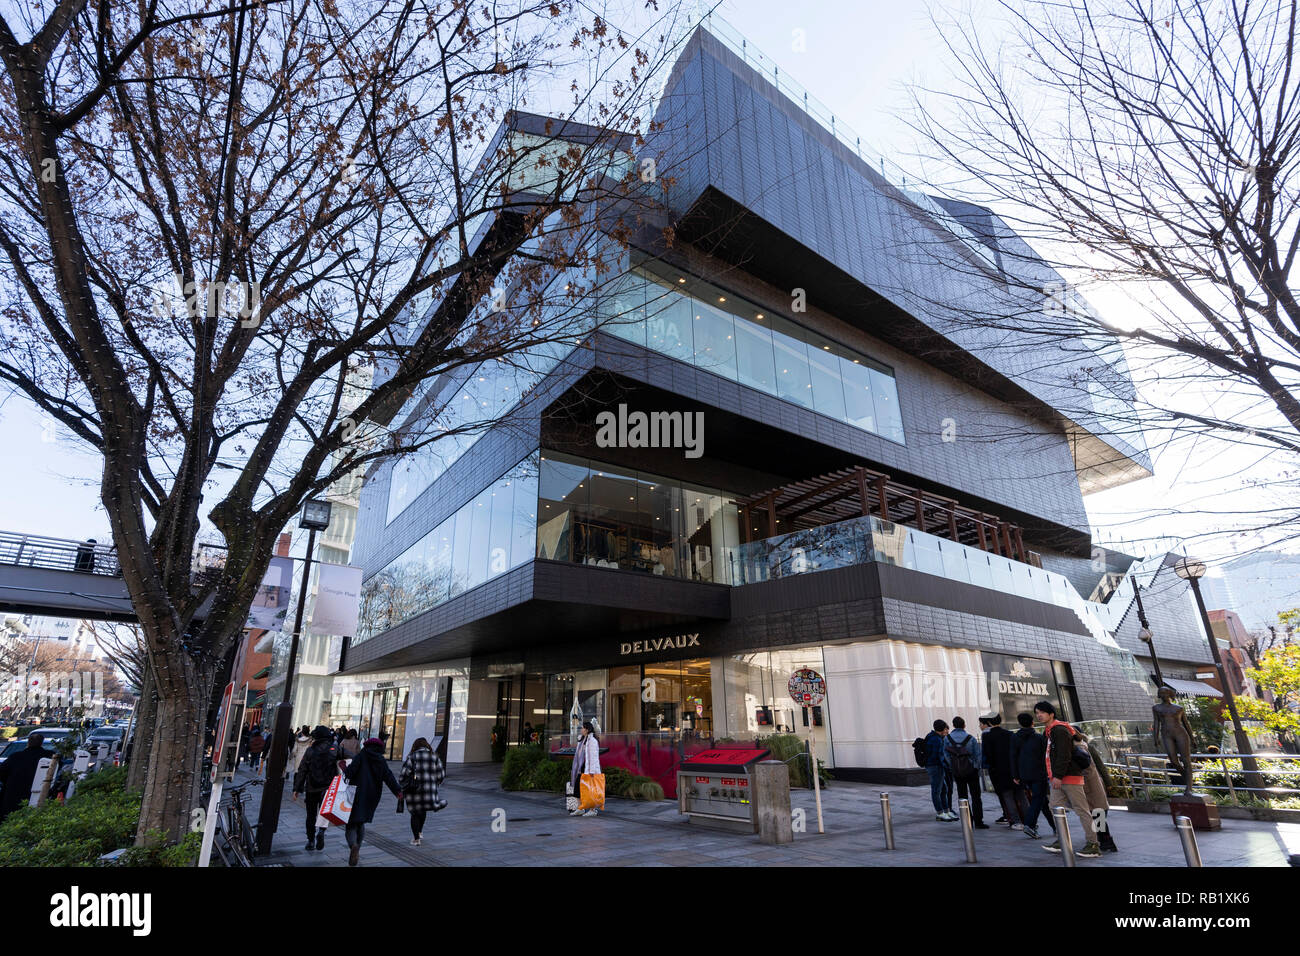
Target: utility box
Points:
(715, 788)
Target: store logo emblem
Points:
(651, 430)
(680, 642)
(75, 909)
(1019, 670)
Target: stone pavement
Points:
(537, 832)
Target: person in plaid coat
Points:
(422, 771)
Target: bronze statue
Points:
(1175, 733)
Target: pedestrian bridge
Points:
(61, 578)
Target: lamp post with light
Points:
(315, 517)
(1192, 570)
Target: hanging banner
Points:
(338, 600)
(271, 605)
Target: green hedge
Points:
(101, 816)
(531, 768)
(788, 747)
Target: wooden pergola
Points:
(858, 492)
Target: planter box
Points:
(1267, 815)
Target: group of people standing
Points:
(326, 754)
(1032, 773)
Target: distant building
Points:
(1256, 586)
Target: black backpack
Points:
(960, 760)
(322, 766)
(918, 751)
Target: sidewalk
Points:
(537, 832)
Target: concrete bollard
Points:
(772, 797)
(1191, 852)
(967, 830)
(1063, 836)
(887, 815)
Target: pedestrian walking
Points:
(243, 754)
(937, 770)
(301, 744)
(962, 752)
(421, 774)
(1028, 756)
(320, 764)
(369, 773)
(18, 774)
(351, 745)
(85, 559)
(1095, 785)
(996, 746)
(1065, 773)
(256, 746)
(586, 759)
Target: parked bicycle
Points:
(235, 839)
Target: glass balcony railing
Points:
(867, 539)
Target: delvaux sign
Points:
(656, 645)
(1020, 680)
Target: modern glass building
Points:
(761, 448)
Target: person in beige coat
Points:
(1094, 790)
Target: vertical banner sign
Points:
(808, 689)
(338, 600)
(271, 604)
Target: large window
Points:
(689, 320)
(486, 537)
(590, 513)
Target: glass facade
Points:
(591, 513)
(692, 321)
(486, 537)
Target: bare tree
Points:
(1150, 151)
(344, 170)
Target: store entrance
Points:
(678, 698)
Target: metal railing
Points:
(58, 554)
(1138, 774)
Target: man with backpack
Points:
(929, 754)
(962, 752)
(1065, 771)
(319, 766)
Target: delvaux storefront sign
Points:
(667, 646)
(1019, 680)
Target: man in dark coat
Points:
(320, 765)
(996, 744)
(1028, 751)
(369, 773)
(18, 775)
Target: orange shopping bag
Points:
(336, 805)
(593, 791)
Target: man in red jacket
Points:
(1065, 777)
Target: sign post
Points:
(219, 746)
(808, 689)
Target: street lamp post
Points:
(1192, 571)
(315, 517)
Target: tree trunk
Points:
(146, 715)
(171, 791)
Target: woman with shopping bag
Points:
(587, 782)
(419, 779)
(369, 773)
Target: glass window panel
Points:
(793, 373)
(827, 384)
(656, 549)
(889, 417)
(461, 535)
(755, 360)
(623, 310)
(502, 495)
(612, 520)
(715, 339)
(523, 524)
(859, 408)
(480, 511)
(668, 323)
(437, 559)
(564, 489)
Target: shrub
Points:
(519, 764)
(158, 852)
(75, 833)
(790, 748)
(643, 788)
(617, 781)
(499, 746)
(550, 775)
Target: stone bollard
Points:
(772, 799)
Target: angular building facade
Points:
(768, 446)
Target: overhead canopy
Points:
(1192, 688)
(262, 673)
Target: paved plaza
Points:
(532, 829)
